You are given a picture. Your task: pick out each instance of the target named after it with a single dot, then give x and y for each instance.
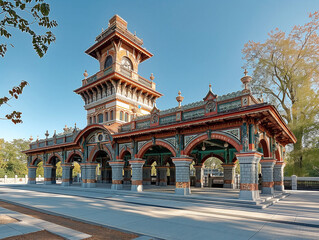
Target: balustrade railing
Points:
(126, 72)
(144, 81)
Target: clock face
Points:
(126, 63)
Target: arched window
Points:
(126, 117)
(90, 120)
(106, 116)
(121, 115)
(111, 115)
(100, 117)
(94, 119)
(126, 63)
(108, 61)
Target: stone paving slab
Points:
(180, 220)
(28, 224)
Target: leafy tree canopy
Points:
(286, 68)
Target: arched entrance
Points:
(52, 170)
(220, 152)
(158, 168)
(35, 169)
(126, 156)
(103, 168)
(71, 170)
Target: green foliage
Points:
(12, 161)
(27, 15)
(30, 17)
(286, 69)
(76, 169)
(213, 163)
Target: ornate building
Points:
(126, 134)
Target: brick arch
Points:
(215, 135)
(54, 155)
(265, 146)
(157, 142)
(34, 159)
(122, 153)
(278, 156)
(95, 150)
(71, 154)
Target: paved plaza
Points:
(156, 215)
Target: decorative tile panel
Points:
(171, 140)
(193, 114)
(235, 132)
(228, 106)
(140, 145)
(189, 138)
(167, 119)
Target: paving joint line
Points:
(180, 208)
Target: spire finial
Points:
(31, 138)
(152, 77)
(245, 72)
(210, 87)
(85, 74)
(179, 99)
(46, 134)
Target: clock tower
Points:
(117, 93)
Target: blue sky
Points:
(194, 43)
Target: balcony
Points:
(124, 71)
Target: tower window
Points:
(126, 117)
(94, 119)
(100, 117)
(126, 63)
(121, 115)
(90, 120)
(111, 115)
(108, 61)
(106, 116)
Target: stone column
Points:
(162, 175)
(48, 175)
(182, 174)
(147, 175)
(279, 176)
(248, 175)
(91, 175)
(83, 174)
(32, 172)
(172, 175)
(137, 174)
(199, 175)
(267, 172)
(66, 174)
(127, 175)
(117, 177)
(229, 175)
(108, 170)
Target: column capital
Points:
(117, 163)
(182, 158)
(268, 162)
(33, 167)
(137, 161)
(280, 164)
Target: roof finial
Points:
(31, 138)
(85, 74)
(246, 80)
(179, 99)
(46, 134)
(210, 87)
(152, 77)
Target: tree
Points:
(12, 160)
(25, 16)
(286, 69)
